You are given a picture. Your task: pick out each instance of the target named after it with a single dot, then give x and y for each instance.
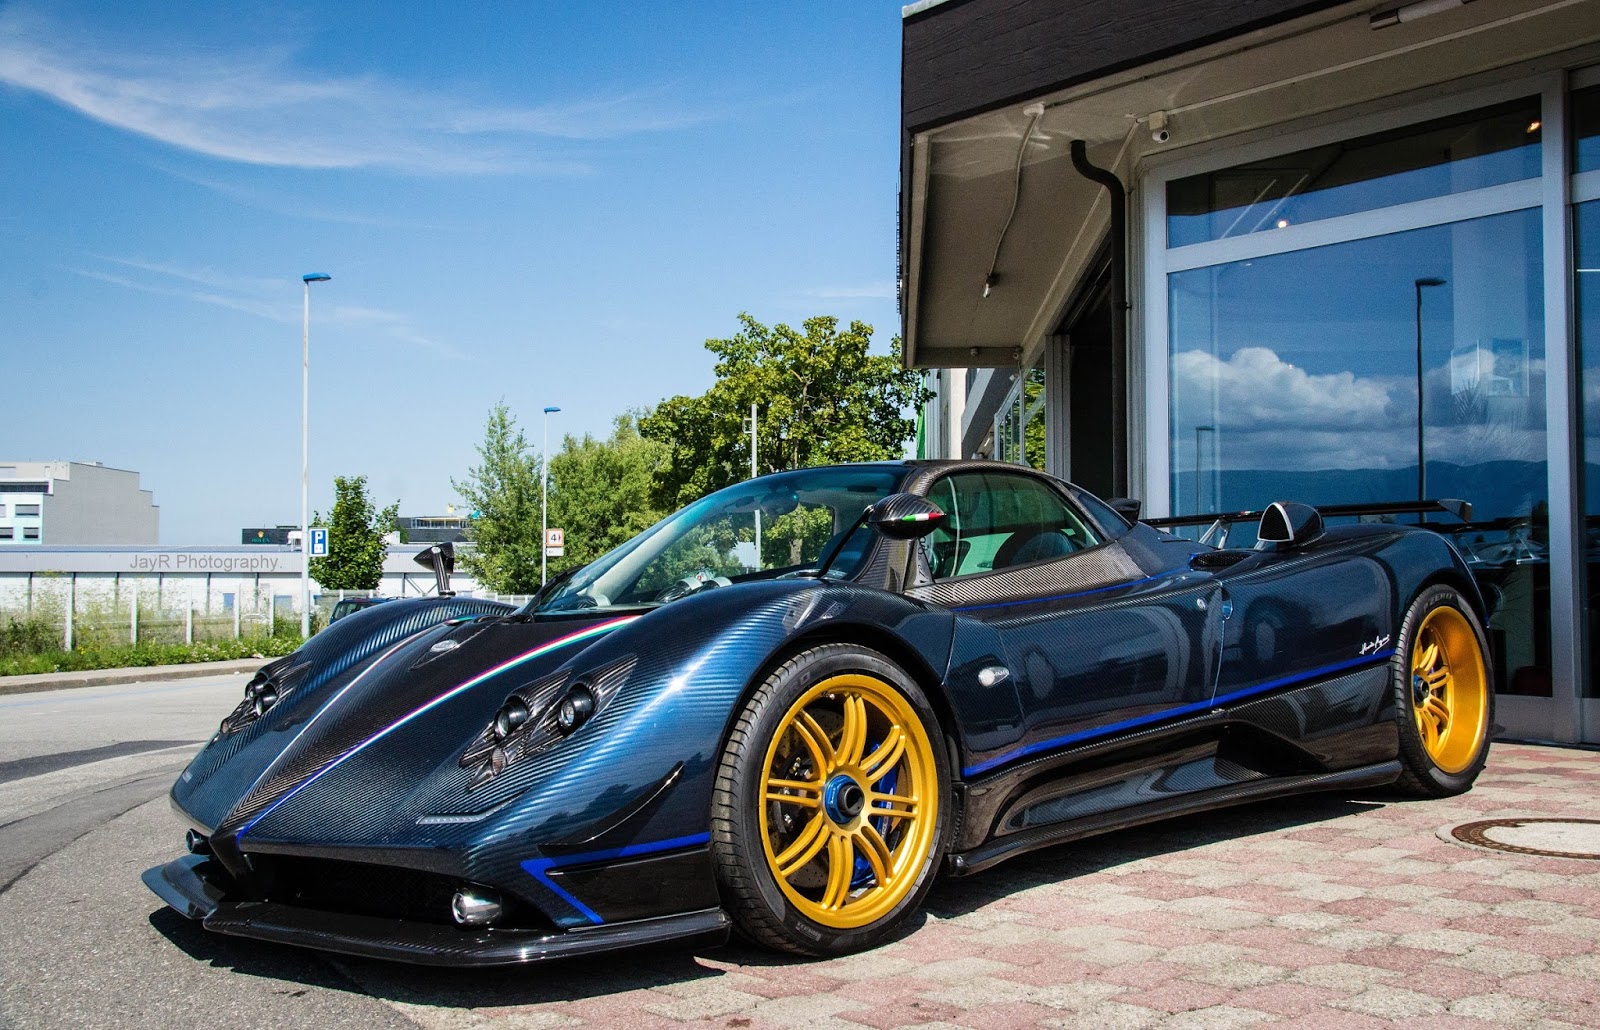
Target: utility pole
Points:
(752, 476)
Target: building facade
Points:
(434, 529)
(74, 503)
(1216, 254)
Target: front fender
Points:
(642, 770)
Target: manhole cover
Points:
(1551, 838)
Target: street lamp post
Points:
(305, 453)
(1422, 468)
(544, 498)
(1197, 431)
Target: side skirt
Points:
(1015, 844)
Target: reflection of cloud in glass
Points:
(1256, 389)
(1272, 414)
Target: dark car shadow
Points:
(953, 897)
(640, 969)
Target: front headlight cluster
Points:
(541, 714)
(264, 690)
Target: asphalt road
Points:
(83, 778)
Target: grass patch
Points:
(82, 659)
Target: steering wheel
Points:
(703, 579)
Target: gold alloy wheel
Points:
(1449, 689)
(850, 801)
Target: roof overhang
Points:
(968, 129)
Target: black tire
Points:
(761, 911)
(1422, 775)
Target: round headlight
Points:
(512, 714)
(574, 709)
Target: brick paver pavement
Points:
(1321, 911)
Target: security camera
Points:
(1157, 120)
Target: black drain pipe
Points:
(1119, 311)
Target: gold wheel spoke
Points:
(815, 740)
(841, 863)
(1435, 709)
(813, 786)
(1436, 679)
(803, 800)
(896, 806)
(798, 855)
(853, 737)
(876, 851)
(1428, 658)
(886, 757)
(1428, 731)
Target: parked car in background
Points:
(350, 605)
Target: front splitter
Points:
(185, 886)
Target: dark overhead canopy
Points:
(974, 69)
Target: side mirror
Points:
(1286, 524)
(904, 517)
(1127, 507)
(441, 558)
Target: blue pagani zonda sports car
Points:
(786, 708)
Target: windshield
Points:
(775, 526)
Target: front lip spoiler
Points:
(186, 884)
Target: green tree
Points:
(601, 491)
(355, 538)
(504, 490)
(819, 395)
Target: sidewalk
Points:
(136, 674)
(1329, 910)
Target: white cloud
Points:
(276, 300)
(256, 107)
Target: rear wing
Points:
(1218, 523)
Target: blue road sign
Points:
(319, 542)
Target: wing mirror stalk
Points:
(898, 517)
(441, 558)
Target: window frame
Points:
(1552, 193)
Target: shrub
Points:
(125, 656)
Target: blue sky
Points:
(549, 203)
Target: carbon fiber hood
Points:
(303, 682)
(356, 746)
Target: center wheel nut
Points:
(843, 799)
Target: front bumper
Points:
(193, 886)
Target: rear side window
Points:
(998, 520)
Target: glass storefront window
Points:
(1480, 148)
(1586, 300)
(1585, 111)
(1295, 377)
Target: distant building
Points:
(433, 529)
(74, 504)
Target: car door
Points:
(1089, 639)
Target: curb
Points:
(139, 674)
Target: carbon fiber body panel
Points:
(408, 759)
